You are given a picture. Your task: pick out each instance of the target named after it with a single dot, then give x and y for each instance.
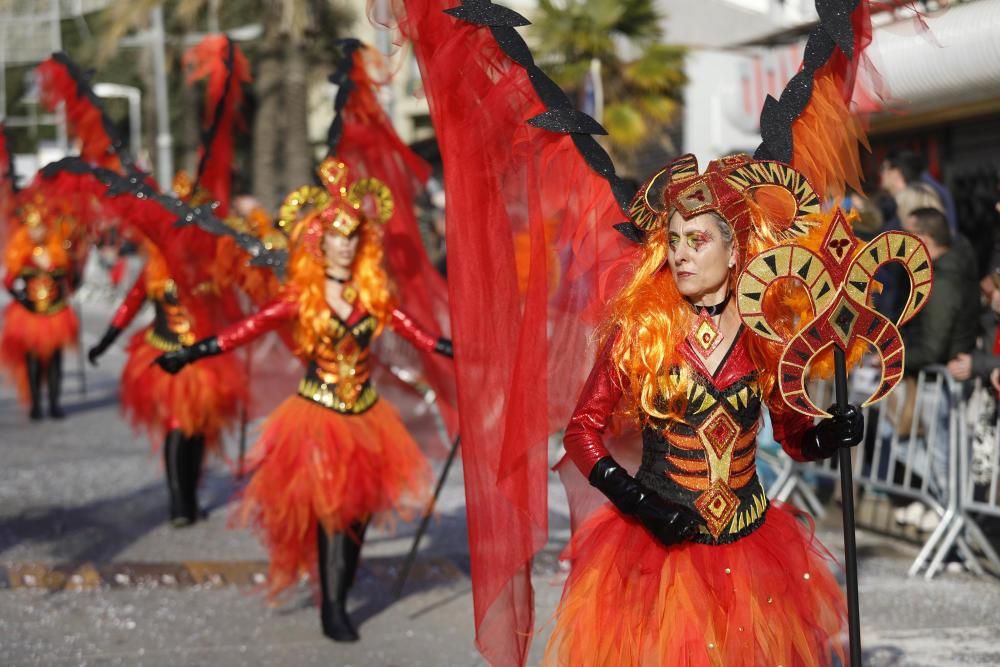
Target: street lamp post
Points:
(164, 140)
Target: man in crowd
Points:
(948, 324)
(904, 175)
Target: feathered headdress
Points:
(61, 81)
(220, 63)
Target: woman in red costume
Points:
(187, 412)
(333, 455)
(716, 574)
(39, 323)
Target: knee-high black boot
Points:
(173, 460)
(192, 457)
(33, 365)
(339, 555)
(54, 381)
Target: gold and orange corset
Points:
(46, 290)
(339, 375)
(707, 459)
(173, 326)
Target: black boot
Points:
(33, 366)
(338, 564)
(192, 458)
(54, 380)
(174, 446)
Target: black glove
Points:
(843, 429)
(443, 347)
(173, 362)
(102, 346)
(668, 522)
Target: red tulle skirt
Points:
(314, 466)
(767, 599)
(204, 398)
(25, 332)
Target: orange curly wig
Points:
(307, 286)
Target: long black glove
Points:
(843, 429)
(668, 522)
(173, 362)
(443, 347)
(102, 346)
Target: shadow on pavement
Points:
(99, 531)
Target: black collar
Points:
(717, 309)
(339, 280)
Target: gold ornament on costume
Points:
(307, 196)
(187, 192)
(728, 188)
(705, 336)
(838, 283)
(340, 207)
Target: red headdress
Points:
(62, 81)
(225, 69)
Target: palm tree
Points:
(642, 77)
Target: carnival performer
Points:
(187, 412)
(716, 574)
(333, 456)
(38, 324)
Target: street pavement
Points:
(91, 574)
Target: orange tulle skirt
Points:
(204, 398)
(314, 466)
(767, 599)
(25, 332)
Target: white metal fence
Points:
(927, 442)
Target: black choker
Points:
(339, 280)
(717, 309)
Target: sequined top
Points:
(45, 289)
(705, 460)
(173, 324)
(338, 373)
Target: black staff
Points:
(847, 495)
(408, 565)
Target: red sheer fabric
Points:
(527, 223)
(57, 85)
(225, 69)
(370, 146)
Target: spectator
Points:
(915, 196)
(982, 361)
(903, 169)
(945, 329)
(947, 326)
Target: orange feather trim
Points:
(25, 332)
(767, 599)
(204, 398)
(314, 466)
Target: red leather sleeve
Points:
(789, 429)
(406, 327)
(8, 280)
(132, 304)
(584, 435)
(266, 319)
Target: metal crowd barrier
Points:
(917, 446)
